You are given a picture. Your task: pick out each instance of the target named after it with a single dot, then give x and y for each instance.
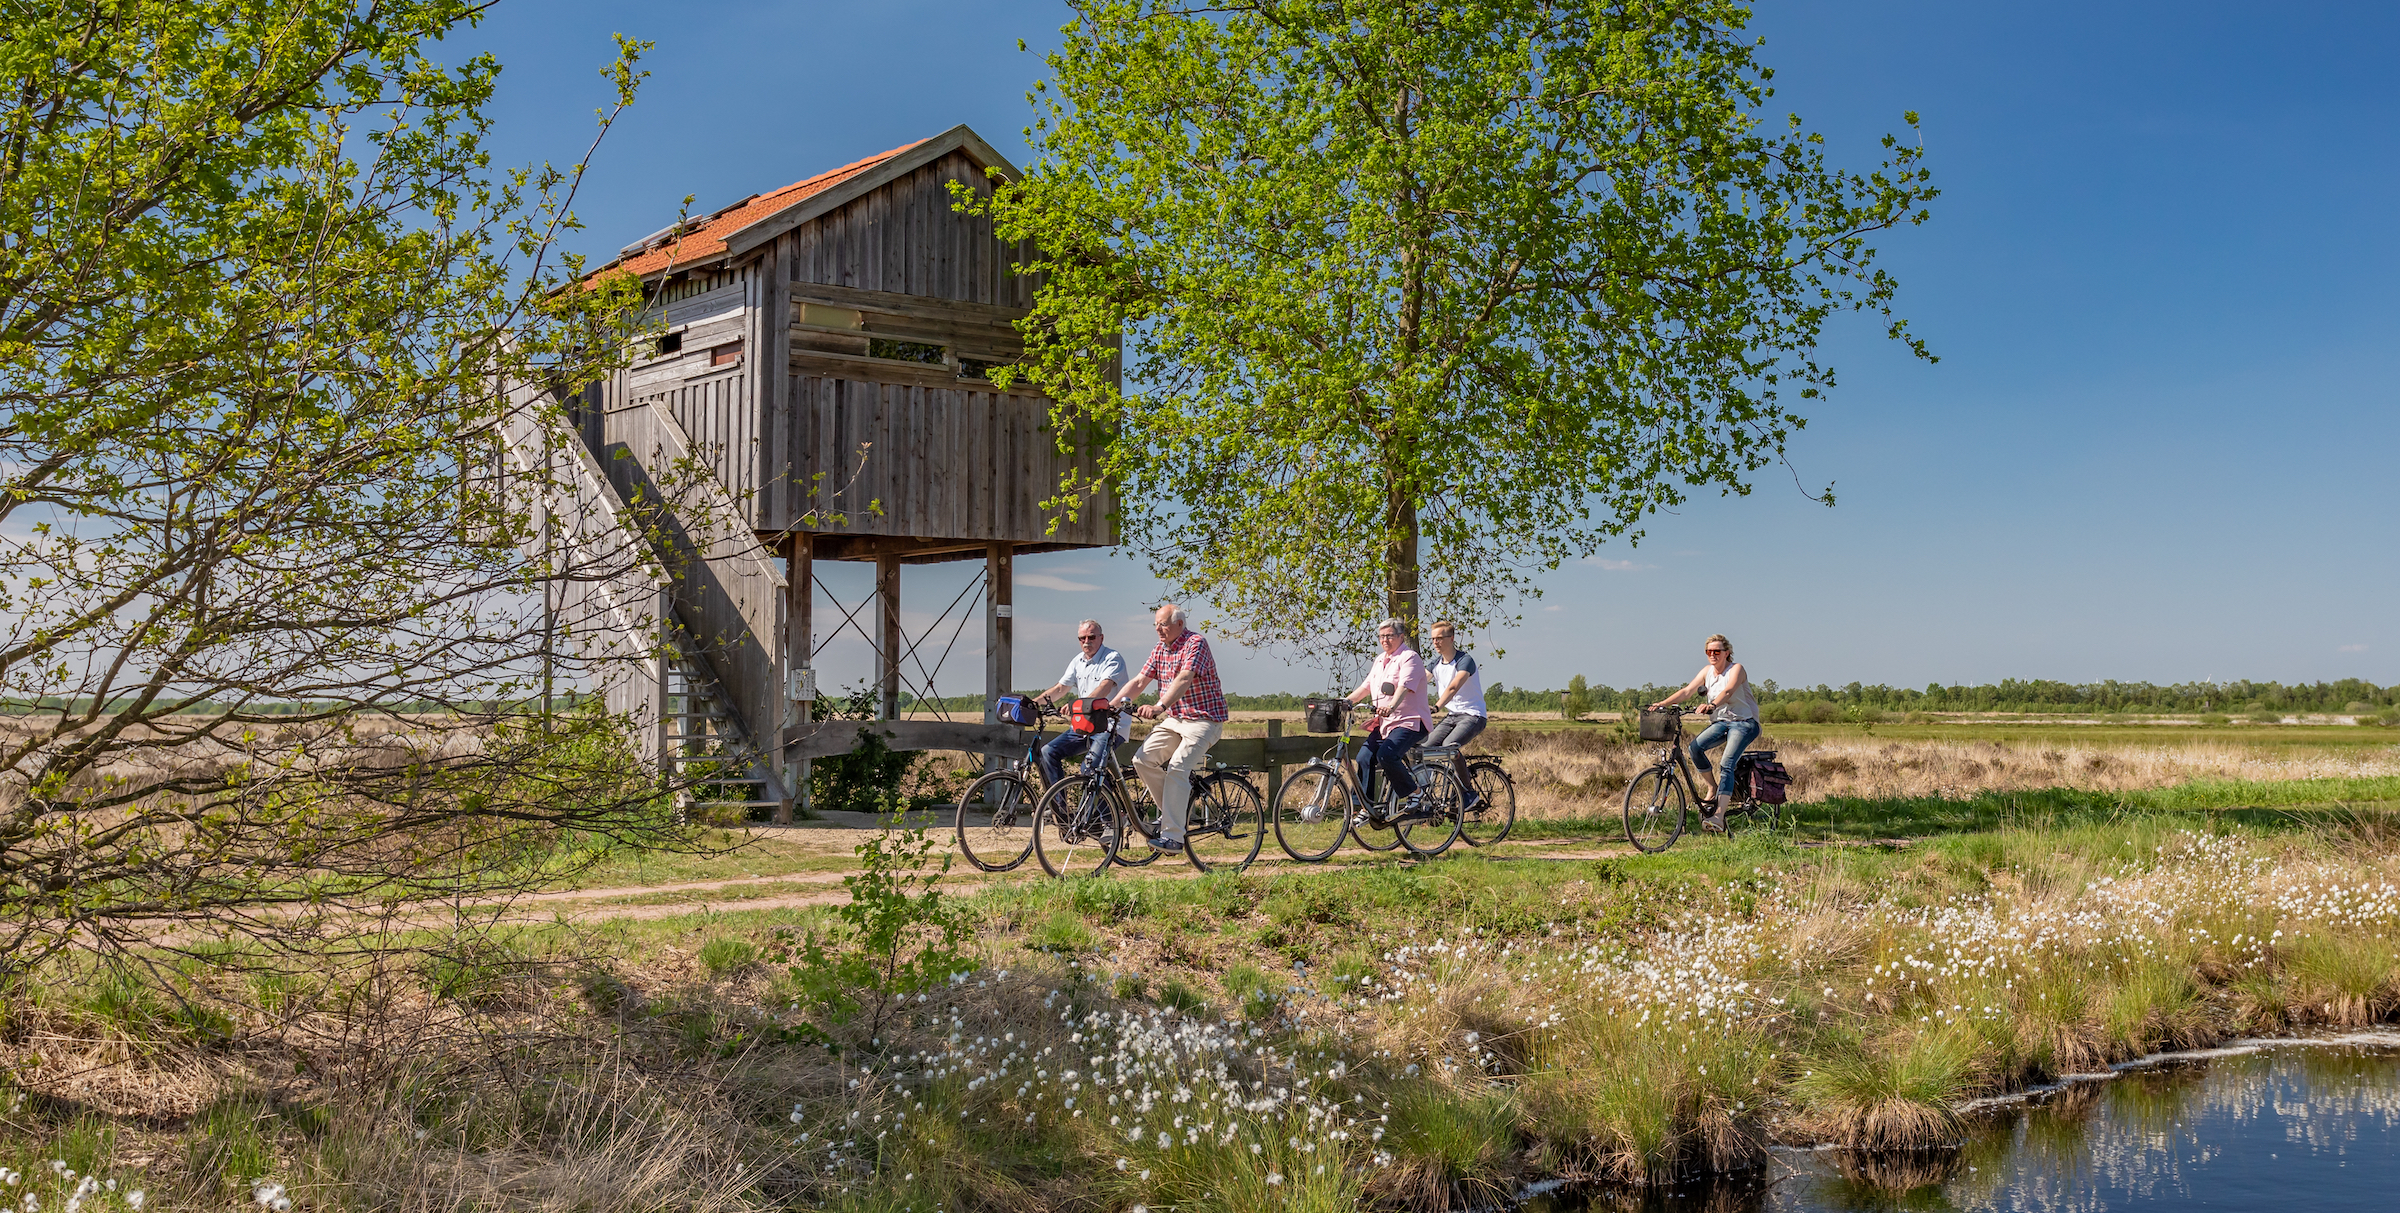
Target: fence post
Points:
(1274, 764)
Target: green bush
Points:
(868, 779)
(900, 934)
(1577, 703)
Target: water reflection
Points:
(2315, 1128)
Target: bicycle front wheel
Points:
(995, 821)
(1227, 823)
(1654, 809)
(1312, 813)
(1434, 826)
(1492, 806)
(1077, 828)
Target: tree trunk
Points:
(1400, 560)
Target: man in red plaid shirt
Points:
(1191, 716)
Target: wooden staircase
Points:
(717, 771)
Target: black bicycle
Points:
(1491, 795)
(1103, 815)
(1322, 803)
(1005, 799)
(1658, 798)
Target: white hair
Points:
(1094, 624)
(1394, 624)
(1175, 614)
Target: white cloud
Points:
(1047, 581)
(1617, 566)
(1554, 608)
(2353, 648)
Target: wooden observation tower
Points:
(811, 388)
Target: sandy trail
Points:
(585, 906)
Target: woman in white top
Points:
(1733, 712)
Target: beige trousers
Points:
(1176, 746)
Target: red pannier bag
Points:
(1091, 715)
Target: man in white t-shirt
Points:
(1095, 673)
(1457, 686)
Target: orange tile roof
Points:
(694, 247)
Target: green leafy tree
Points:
(1577, 702)
(265, 610)
(1419, 297)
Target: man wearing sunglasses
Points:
(1733, 714)
(1095, 672)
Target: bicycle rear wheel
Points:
(1141, 823)
(1312, 813)
(1227, 824)
(1488, 820)
(1004, 802)
(1754, 815)
(1654, 809)
(1432, 829)
(1077, 828)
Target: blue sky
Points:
(2157, 447)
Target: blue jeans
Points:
(1058, 750)
(1391, 752)
(1736, 735)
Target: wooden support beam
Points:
(800, 597)
(999, 629)
(887, 601)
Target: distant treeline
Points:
(2010, 695)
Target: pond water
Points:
(2249, 1128)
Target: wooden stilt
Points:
(999, 631)
(887, 601)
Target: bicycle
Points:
(1323, 802)
(1492, 809)
(1081, 823)
(1655, 802)
(1008, 796)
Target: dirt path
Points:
(586, 906)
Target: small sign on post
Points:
(804, 684)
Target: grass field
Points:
(1372, 1033)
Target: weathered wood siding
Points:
(906, 238)
(944, 455)
(932, 461)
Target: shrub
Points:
(868, 779)
(902, 934)
(1577, 702)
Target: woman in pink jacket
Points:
(1396, 683)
